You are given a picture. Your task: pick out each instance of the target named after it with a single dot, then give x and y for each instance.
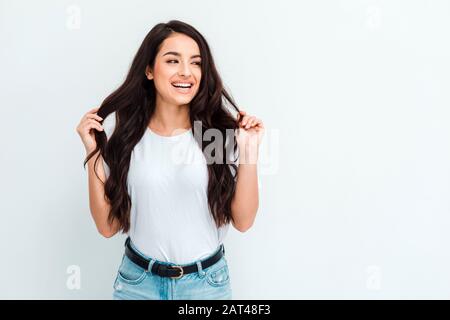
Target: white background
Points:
(354, 198)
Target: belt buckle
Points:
(181, 272)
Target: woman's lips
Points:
(183, 90)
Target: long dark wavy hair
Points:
(134, 104)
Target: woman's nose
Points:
(184, 70)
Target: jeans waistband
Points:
(221, 247)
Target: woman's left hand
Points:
(250, 132)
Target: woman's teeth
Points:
(182, 85)
(183, 88)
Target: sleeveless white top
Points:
(167, 181)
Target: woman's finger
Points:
(249, 122)
(240, 114)
(260, 124)
(245, 120)
(257, 122)
(94, 123)
(88, 126)
(92, 110)
(96, 126)
(91, 116)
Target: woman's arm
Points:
(244, 204)
(246, 198)
(98, 203)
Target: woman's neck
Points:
(168, 118)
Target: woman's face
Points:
(177, 70)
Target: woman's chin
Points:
(183, 101)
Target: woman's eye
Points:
(196, 63)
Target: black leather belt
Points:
(174, 272)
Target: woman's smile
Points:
(183, 87)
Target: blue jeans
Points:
(135, 283)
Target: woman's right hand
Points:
(89, 122)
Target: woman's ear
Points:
(148, 73)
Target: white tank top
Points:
(167, 181)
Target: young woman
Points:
(158, 178)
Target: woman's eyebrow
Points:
(178, 55)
